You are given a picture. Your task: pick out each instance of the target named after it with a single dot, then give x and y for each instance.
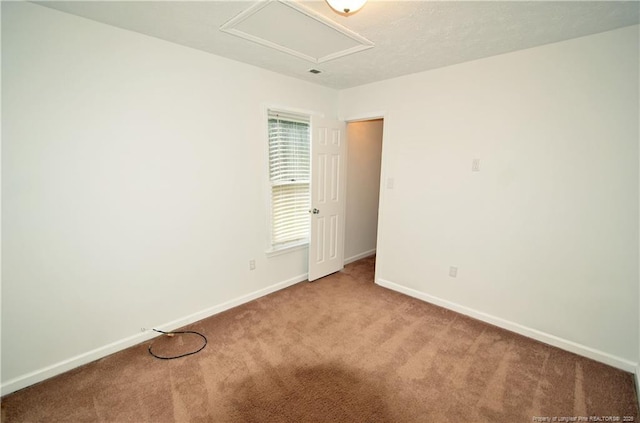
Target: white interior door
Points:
(328, 186)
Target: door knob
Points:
(316, 211)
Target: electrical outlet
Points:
(252, 264)
(475, 165)
(453, 271)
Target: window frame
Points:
(278, 249)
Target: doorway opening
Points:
(364, 162)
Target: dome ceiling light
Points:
(346, 6)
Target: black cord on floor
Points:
(181, 355)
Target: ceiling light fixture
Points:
(346, 6)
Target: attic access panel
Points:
(296, 30)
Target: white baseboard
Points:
(546, 338)
(79, 360)
(359, 256)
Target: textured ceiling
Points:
(409, 36)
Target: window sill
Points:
(285, 249)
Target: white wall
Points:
(133, 194)
(134, 190)
(364, 144)
(545, 236)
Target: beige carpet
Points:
(337, 350)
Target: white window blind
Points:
(289, 174)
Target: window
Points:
(289, 176)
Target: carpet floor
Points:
(340, 349)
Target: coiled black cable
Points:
(181, 355)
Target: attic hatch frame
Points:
(229, 27)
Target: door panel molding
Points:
(328, 189)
